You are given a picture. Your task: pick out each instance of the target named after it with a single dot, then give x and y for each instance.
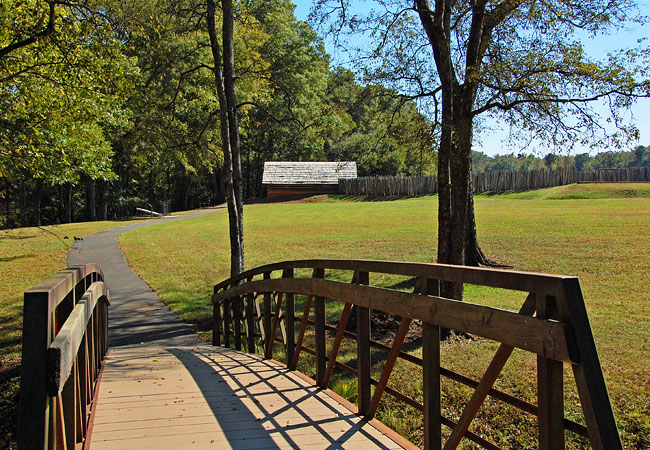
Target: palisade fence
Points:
(497, 181)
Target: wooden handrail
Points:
(63, 350)
(547, 338)
(513, 280)
(552, 324)
(65, 340)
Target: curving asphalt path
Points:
(136, 314)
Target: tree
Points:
(382, 130)
(516, 60)
(641, 156)
(286, 119)
(581, 159)
(62, 78)
(225, 82)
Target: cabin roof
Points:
(284, 172)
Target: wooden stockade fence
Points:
(65, 340)
(389, 186)
(497, 181)
(552, 323)
(630, 175)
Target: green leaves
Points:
(57, 93)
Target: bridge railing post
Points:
(226, 322)
(266, 321)
(431, 375)
(363, 351)
(38, 328)
(250, 323)
(216, 323)
(550, 391)
(236, 321)
(290, 321)
(319, 332)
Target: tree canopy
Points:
(112, 105)
(123, 93)
(520, 61)
(62, 77)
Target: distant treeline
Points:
(495, 181)
(637, 157)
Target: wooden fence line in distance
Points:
(497, 181)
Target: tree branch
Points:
(508, 106)
(48, 30)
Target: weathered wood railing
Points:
(552, 323)
(65, 339)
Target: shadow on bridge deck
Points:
(209, 397)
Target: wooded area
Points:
(108, 106)
(111, 105)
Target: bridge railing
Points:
(65, 340)
(552, 324)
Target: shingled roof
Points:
(276, 172)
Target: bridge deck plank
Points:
(157, 396)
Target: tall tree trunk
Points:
(23, 218)
(186, 194)
(454, 160)
(90, 199)
(39, 198)
(457, 242)
(68, 203)
(103, 204)
(474, 255)
(225, 81)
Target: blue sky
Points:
(493, 142)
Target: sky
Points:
(494, 141)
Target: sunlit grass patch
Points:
(27, 257)
(604, 241)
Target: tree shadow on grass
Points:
(17, 257)
(368, 198)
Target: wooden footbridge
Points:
(77, 393)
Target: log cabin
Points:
(284, 178)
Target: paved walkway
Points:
(163, 388)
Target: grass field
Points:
(598, 232)
(27, 257)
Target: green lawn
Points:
(598, 232)
(27, 257)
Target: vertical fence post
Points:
(266, 321)
(37, 335)
(68, 400)
(226, 322)
(290, 320)
(431, 376)
(550, 393)
(363, 351)
(319, 318)
(216, 323)
(431, 385)
(250, 323)
(236, 322)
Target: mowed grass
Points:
(27, 257)
(600, 233)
